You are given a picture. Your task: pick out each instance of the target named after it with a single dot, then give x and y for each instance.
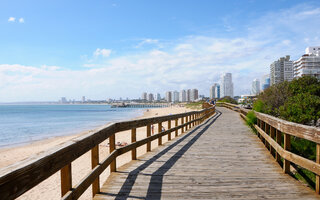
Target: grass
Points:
(194, 105)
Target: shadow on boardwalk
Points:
(155, 185)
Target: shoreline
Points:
(50, 188)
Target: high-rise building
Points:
(266, 83)
(188, 95)
(144, 96)
(226, 87)
(150, 97)
(158, 97)
(183, 96)
(255, 87)
(309, 63)
(215, 91)
(281, 70)
(64, 100)
(175, 96)
(169, 96)
(83, 99)
(194, 95)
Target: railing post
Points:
(267, 131)
(182, 122)
(94, 163)
(193, 117)
(112, 147)
(278, 140)
(148, 135)
(287, 146)
(190, 121)
(66, 179)
(176, 124)
(159, 131)
(134, 139)
(317, 176)
(169, 127)
(187, 120)
(272, 134)
(258, 124)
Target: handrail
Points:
(20, 177)
(270, 130)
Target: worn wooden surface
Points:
(212, 161)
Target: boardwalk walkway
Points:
(220, 159)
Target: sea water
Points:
(27, 123)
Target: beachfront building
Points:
(188, 96)
(226, 86)
(175, 96)
(194, 95)
(169, 96)
(215, 91)
(83, 99)
(158, 97)
(266, 83)
(150, 97)
(144, 96)
(309, 63)
(281, 70)
(255, 87)
(183, 96)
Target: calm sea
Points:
(26, 123)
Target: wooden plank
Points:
(112, 147)
(94, 163)
(169, 127)
(66, 179)
(287, 146)
(148, 135)
(182, 122)
(278, 140)
(176, 124)
(272, 135)
(159, 131)
(133, 140)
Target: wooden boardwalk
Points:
(220, 159)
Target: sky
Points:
(121, 48)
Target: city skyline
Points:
(47, 56)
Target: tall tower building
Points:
(144, 96)
(169, 96)
(188, 96)
(226, 87)
(281, 70)
(175, 96)
(158, 97)
(183, 96)
(308, 64)
(194, 95)
(150, 97)
(255, 87)
(215, 91)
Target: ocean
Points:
(21, 124)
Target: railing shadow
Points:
(155, 185)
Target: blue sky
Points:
(110, 49)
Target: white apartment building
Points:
(183, 96)
(150, 97)
(144, 96)
(309, 63)
(214, 91)
(194, 95)
(158, 97)
(169, 96)
(226, 86)
(188, 96)
(281, 70)
(175, 96)
(255, 87)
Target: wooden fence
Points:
(274, 131)
(21, 177)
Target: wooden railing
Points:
(271, 130)
(21, 177)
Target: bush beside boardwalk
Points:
(296, 101)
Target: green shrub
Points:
(251, 118)
(228, 99)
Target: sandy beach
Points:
(50, 188)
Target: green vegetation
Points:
(251, 118)
(296, 101)
(228, 99)
(195, 105)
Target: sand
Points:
(50, 188)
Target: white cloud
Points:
(102, 52)
(21, 20)
(11, 19)
(147, 41)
